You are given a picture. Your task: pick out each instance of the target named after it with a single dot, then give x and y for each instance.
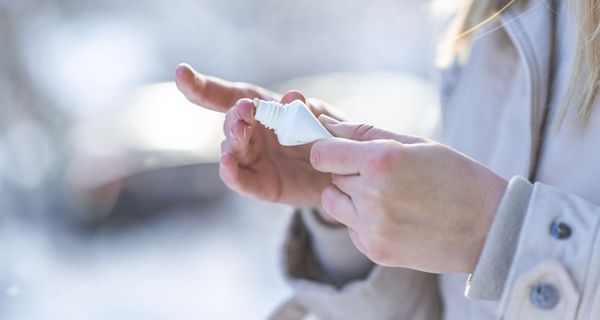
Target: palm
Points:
(267, 170)
(281, 174)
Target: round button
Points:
(560, 230)
(544, 296)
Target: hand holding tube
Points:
(407, 201)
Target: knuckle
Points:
(226, 127)
(375, 251)
(378, 234)
(362, 132)
(382, 160)
(242, 87)
(328, 203)
(230, 117)
(372, 193)
(325, 200)
(315, 157)
(377, 256)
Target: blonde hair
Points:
(584, 84)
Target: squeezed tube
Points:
(293, 123)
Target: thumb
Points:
(362, 132)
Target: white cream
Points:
(293, 123)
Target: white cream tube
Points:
(293, 123)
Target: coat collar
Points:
(531, 29)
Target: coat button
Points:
(560, 230)
(544, 296)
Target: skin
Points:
(406, 201)
(252, 161)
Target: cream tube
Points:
(293, 123)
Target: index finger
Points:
(214, 93)
(338, 155)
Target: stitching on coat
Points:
(594, 248)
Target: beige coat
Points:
(542, 257)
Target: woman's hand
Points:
(407, 201)
(252, 161)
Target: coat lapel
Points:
(531, 28)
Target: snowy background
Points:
(110, 202)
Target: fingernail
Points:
(182, 69)
(327, 119)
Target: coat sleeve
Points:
(542, 255)
(332, 282)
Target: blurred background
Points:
(110, 201)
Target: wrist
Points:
(488, 279)
(493, 197)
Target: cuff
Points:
(490, 274)
(381, 293)
(336, 256)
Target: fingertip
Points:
(185, 80)
(227, 160)
(183, 71)
(291, 96)
(183, 66)
(246, 110)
